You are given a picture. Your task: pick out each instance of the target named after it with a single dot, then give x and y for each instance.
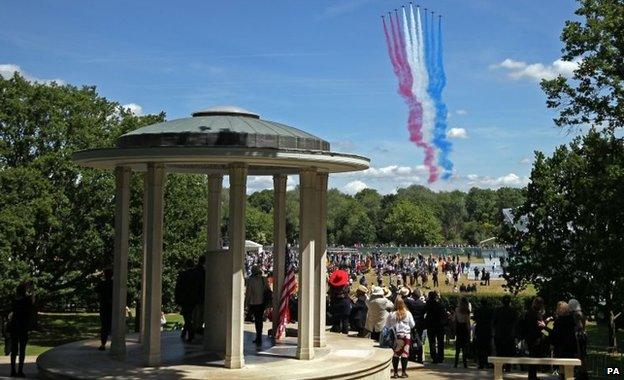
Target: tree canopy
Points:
(572, 246)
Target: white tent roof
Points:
(252, 244)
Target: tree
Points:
(573, 244)
(355, 224)
(262, 199)
(370, 199)
(452, 214)
(56, 218)
(259, 226)
(411, 224)
(595, 93)
(594, 96)
(336, 204)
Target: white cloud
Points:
(134, 108)
(537, 71)
(461, 112)
(457, 133)
(8, 69)
(510, 180)
(291, 183)
(354, 187)
(391, 176)
(258, 183)
(339, 8)
(526, 160)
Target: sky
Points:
(320, 66)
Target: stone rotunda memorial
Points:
(218, 142)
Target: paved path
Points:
(30, 367)
(430, 372)
(447, 371)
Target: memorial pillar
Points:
(307, 236)
(234, 327)
(120, 264)
(144, 262)
(154, 245)
(320, 260)
(217, 275)
(279, 243)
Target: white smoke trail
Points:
(409, 42)
(429, 112)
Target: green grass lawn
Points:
(60, 328)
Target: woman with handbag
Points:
(402, 323)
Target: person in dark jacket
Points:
(581, 338)
(339, 300)
(532, 326)
(185, 298)
(340, 308)
(198, 275)
(105, 296)
(435, 320)
(357, 318)
(562, 336)
(505, 321)
(21, 321)
(462, 330)
(256, 299)
(418, 308)
(483, 333)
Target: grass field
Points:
(60, 328)
(495, 287)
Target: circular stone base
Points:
(344, 357)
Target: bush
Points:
(490, 300)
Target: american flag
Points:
(290, 284)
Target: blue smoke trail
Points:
(437, 82)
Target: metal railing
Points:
(599, 359)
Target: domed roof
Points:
(223, 126)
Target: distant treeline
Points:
(415, 215)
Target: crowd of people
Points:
(410, 269)
(479, 332)
(405, 309)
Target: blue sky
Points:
(318, 65)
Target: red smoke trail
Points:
(401, 68)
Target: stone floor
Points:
(430, 372)
(447, 371)
(345, 357)
(82, 360)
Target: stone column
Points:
(320, 260)
(307, 235)
(279, 243)
(144, 264)
(154, 244)
(120, 265)
(234, 326)
(217, 276)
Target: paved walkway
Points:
(447, 371)
(30, 367)
(430, 372)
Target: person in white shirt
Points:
(402, 322)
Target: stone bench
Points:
(567, 364)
